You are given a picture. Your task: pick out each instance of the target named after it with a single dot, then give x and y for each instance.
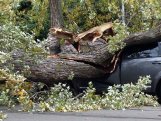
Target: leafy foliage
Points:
(61, 99)
(14, 89)
(139, 15)
(6, 12)
(116, 43)
(12, 39)
(130, 96)
(2, 116)
(81, 15)
(26, 14)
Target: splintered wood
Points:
(93, 34)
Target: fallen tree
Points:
(93, 61)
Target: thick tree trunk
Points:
(150, 36)
(52, 70)
(61, 70)
(95, 64)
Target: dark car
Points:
(135, 61)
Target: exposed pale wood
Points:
(94, 33)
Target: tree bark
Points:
(51, 70)
(56, 16)
(61, 70)
(56, 19)
(89, 65)
(150, 36)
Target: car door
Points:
(139, 61)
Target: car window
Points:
(141, 51)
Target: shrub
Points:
(61, 99)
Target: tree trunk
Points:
(51, 70)
(150, 36)
(56, 16)
(95, 64)
(56, 19)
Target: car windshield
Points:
(142, 51)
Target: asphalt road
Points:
(137, 114)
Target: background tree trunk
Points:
(56, 19)
(56, 13)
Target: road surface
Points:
(136, 114)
